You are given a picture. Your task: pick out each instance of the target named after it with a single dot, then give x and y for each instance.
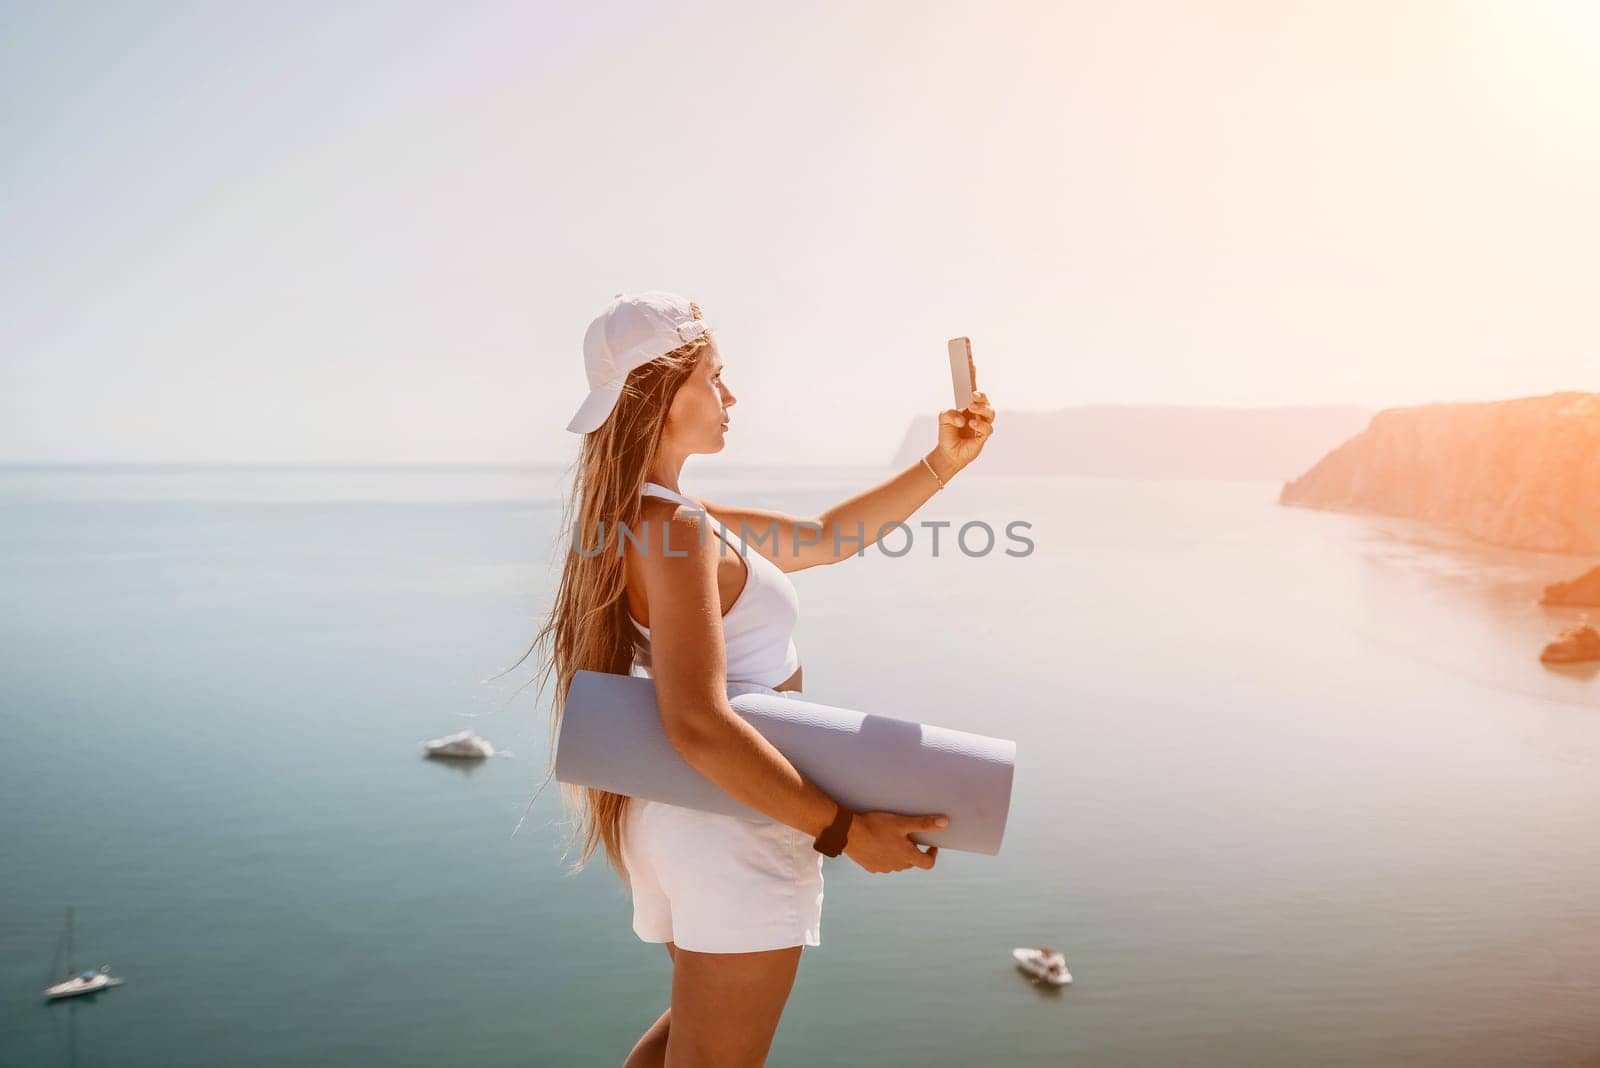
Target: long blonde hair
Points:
(588, 625)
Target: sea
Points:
(1292, 786)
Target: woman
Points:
(684, 597)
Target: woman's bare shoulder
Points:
(670, 531)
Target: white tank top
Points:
(758, 630)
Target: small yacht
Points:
(86, 981)
(462, 745)
(1043, 964)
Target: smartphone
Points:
(963, 375)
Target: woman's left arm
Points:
(849, 527)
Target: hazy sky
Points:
(324, 232)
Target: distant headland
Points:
(1582, 592)
(1521, 473)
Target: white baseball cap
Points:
(634, 329)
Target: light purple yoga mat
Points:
(612, 738)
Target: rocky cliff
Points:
(1522, 473)
(1583, 591)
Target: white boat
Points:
(1043, 964)
(85, 982)
(462, 745)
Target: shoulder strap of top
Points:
(655, 489)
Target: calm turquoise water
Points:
(1292, 787)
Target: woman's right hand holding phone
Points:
(880, 842)
(963, 432)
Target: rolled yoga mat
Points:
(612, 738)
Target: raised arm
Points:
(850, 527)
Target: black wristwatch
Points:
(830, 843)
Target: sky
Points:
(308, 233)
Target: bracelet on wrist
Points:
(932, 472)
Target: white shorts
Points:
(713, 883)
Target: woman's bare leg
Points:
(651, 1049)
(726, 1006)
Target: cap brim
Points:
(595, 407)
